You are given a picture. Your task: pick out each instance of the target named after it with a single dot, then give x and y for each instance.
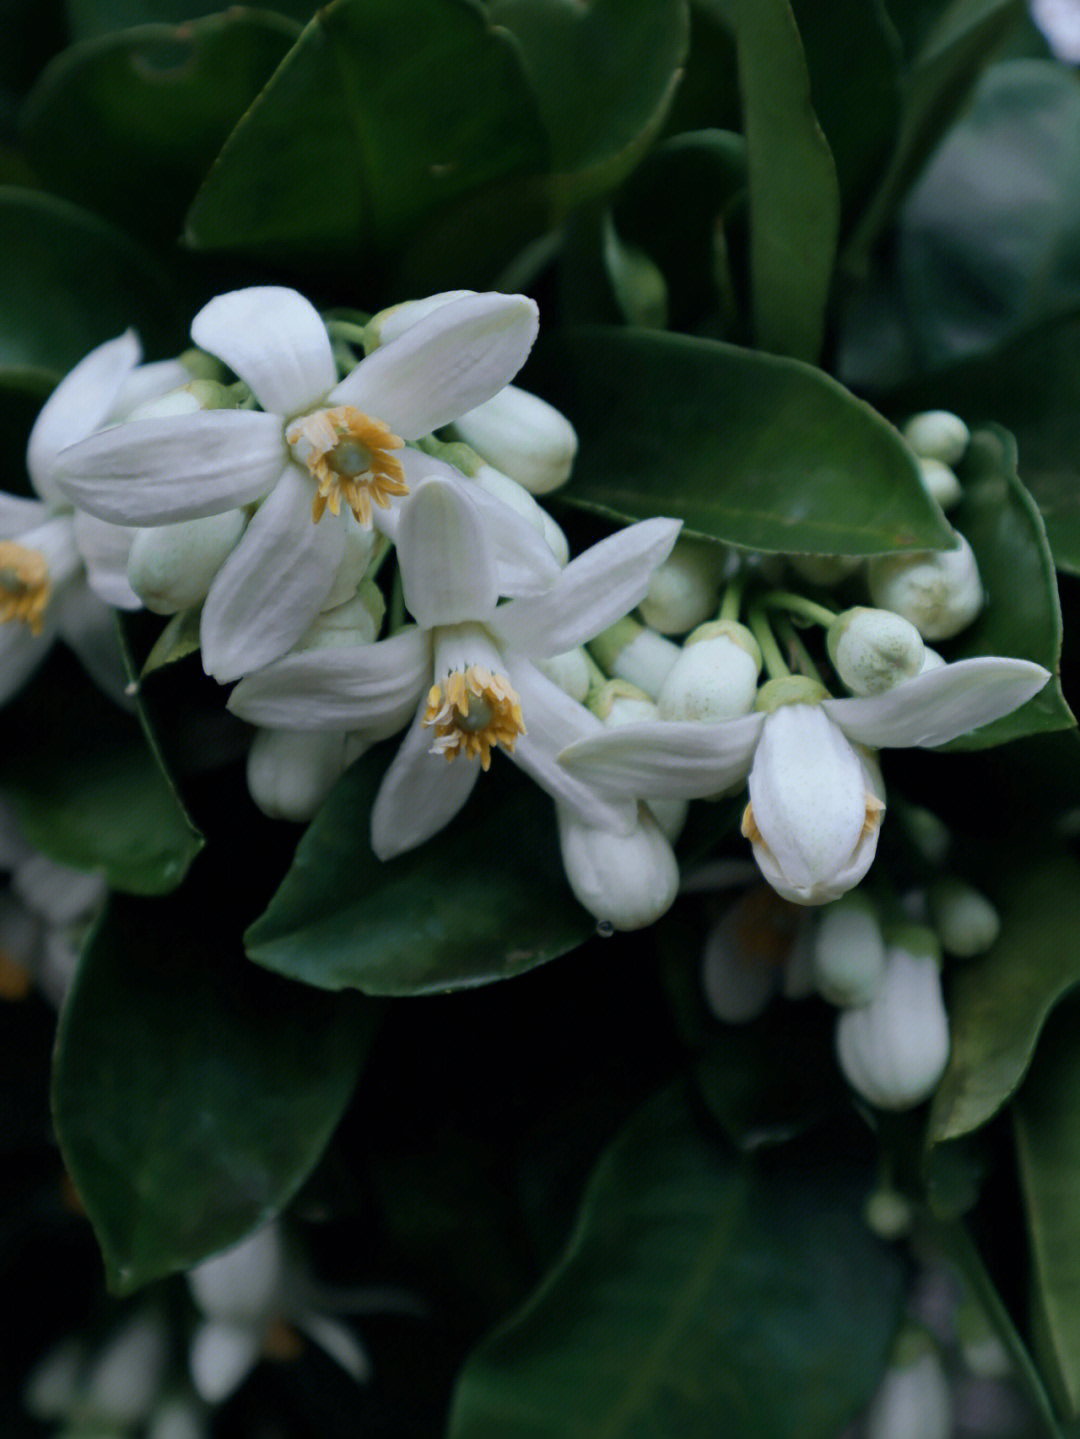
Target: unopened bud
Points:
(966, 922)
(825, 570)
(502, 487)
(940, 483)
(984, 1354)
(186, 400)
(931, 660)
(629, 651)
(939, 591)
(937, 435)
(849, 951)
(523, 436)
(930, 835)
(625, 881)
(873, 650)
(684, 590)
(888, 1214)
(171, 567)
(570, 671)
(356, 556)
(356, 622)
(715, 676)
(291, 772)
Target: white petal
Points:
(87, 626)
(420, 794)
(105, 549)
(151, 472)
(146, 383)
(275, 341)
(360, 687)
(77, 407)
(222, 1356)
(447, 563)
(21, 652)
(339, 1343)
(523, 557)
(18, 515)
(449, 362)
(273, 584)
(242, 1283)
(659, 760)
(595, 590)
(553, 720)
(939, 704)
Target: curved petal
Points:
(146, 383)
(592, 592)
(21, 652)
(79, 405)
(940, 704)
(18, 515)
(420, 793)
(553, 720)
(524, 561)
(667, 760)
(373, 688)
(87, 625)
(222, 1355)
(447, 566)
(275, 341)
(450, 361)
(105, 549)
(152, 472)
(273, 584)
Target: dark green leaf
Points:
(193, 1093)
(69, 282)
(699, 1294)
(88, 19)
(998, 1003)
(756, 450)
(152, 107)
(794, 192)
(413, 925)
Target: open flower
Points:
(814, 811)
(467, 669)
(318, 446)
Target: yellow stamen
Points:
(875, 808)
(24, 585)
(473, 711)
(349, 454)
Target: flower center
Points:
(350, 455)
(24, 585)
(471, 711)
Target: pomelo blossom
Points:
(814, 808)
(317, 445)
(466, 671)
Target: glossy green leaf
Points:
(699, 1294)
(1022, 616)
(88, 19)
(414, 925)
(794, 191)
(753, 449)
(88, 789)
(998, 1003)
(1047, 1115)
(192, 1093)
(152, 107)
(69, 281)
(603, 75)
(359, 142)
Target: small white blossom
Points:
(715, 677)
(937, 435)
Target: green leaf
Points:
(752, 449)
(88, 789)
(88, 19)
(192, 1093)
(177, 640)
(69, 282)
(603, 75)
(151, 107)
(1022, 616)
(699, 1294)
(1047, 1120)
(414, 926)
(998, 1003)
(360, 141)
(794, 192)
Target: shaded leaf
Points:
(88, 19)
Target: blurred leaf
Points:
(794, 193)
(69, 282)
(86, 787)
(89, 19)
(999, 1002)
(699, 1294)
(177, 640)
(636, 281)
(192, 1093)
(953, 1175)
(756, 450)
(412, 926)
(1022, 616)
(151, 107)
(1047, 1116)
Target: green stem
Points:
(732, 601)
(383, 546)
(347, 331)
(790, 636)
(799, 605)
(770, 650)
(597, 677)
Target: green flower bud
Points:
(873, 650)
(888, 1214)
(825, 570)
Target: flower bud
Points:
(390, 324)
(888, 1214)
(619, 702)
(873, 650)
(715, 676)
(966, 922)
(745, 954)
(930, 835)
(629, 651)
(291, 772)
(356, 622)
(913, 1400)
(523, 436)
(931, 660)
(893, 1051)
(939, 591)
(626, 881)
(825, 570)
(171, 567)
(684, 590)
(356, 556)
(223, 1353)
(187, 400)
(243, 1282)
(502, 487)
(937, 435)
(849, 952)
(570, 671)
(940, 483)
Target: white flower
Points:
(469, 663)
(625, 880)
(814, 813)
(317, 444)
